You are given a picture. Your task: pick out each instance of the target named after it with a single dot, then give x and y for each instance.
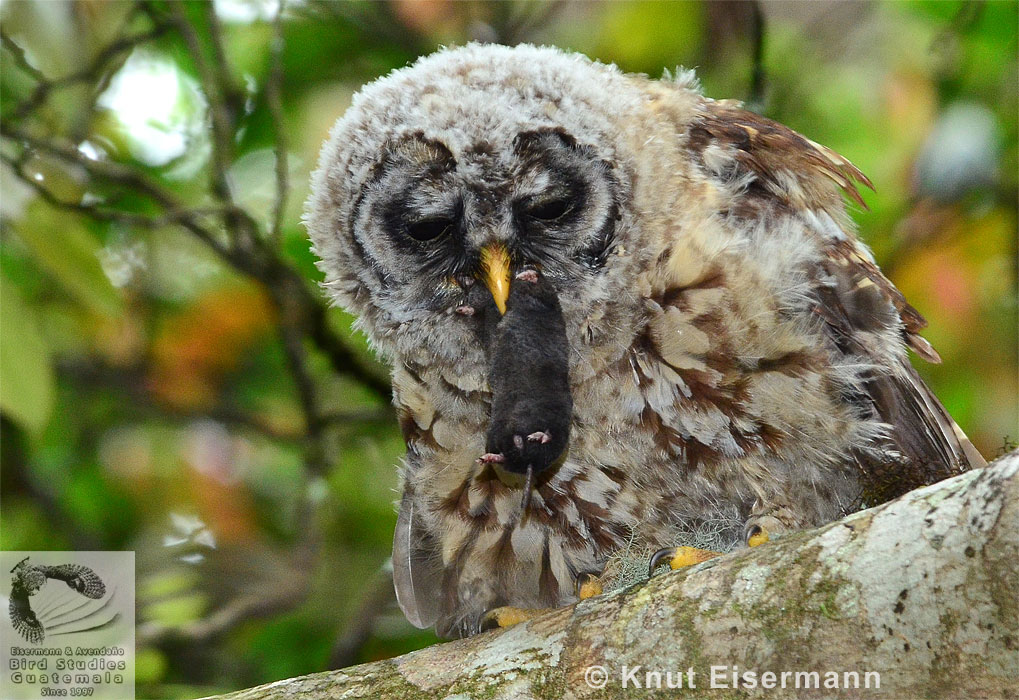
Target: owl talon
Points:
(679, 557)
(757, 536)
(506, 616)
(588, 586)
(765, 525)
(540, 436)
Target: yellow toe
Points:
(678, 557)
(588, 586)
(507, 616)
(758, 538)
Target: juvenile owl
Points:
(735, 359)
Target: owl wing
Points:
(855, 298)
(786, 174)
(22, 617)
(417, 575)
(80, 578)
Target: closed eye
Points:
(549, 210)
(429, 229)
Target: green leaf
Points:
(179, 610)
(68, 252)
(27, 383)
(149, 665)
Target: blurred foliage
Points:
(156, 394)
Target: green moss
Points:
(808, 593)
(945, 669)
(829, 607)
(711, 612)
(550, 685)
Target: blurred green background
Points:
(171, 381)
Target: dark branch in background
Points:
(244, 608)
(98, 213)
(18, 480)
(222, 123)
(263, 266)
(232, 96)
(233, 235)
(293, 346)
(968, 14)
(377, 599)
(132, 381)
(521, 24)
(755, 100)
(374, 20)
(20, 58)
(341, 358)
(217, 86)
(124, 176)
(273, 89)
(94, 72)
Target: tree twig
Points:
(377, 599)
(20, 58)
(104, 214)
(93, 72)
(755, 99)
(219, 113)
(274, 99)
(258, 264)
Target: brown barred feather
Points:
(766, 148)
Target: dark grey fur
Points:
(529, 377)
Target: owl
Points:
(29, 578)
(725, 355)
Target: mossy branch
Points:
(922, 591)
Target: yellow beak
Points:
(495, 263)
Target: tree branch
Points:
(235, 237)
(755, 99)
(263, 267)
(215, 92)
(274, 99)
(922, 591)
(91, 73)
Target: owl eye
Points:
(550, 209)
(429, 229)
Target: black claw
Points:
(657, 558)
(525, 499)
(487, 622)
(585, 577)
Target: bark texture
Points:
(923, 591)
